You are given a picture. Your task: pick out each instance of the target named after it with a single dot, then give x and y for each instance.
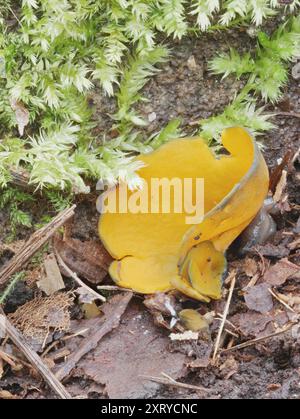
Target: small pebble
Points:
(151, 116)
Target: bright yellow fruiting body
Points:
(156, 252)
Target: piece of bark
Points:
(53, 281)
(7, 328)
(88, 259)
(113, 311)
(36, 241)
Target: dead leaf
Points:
(280, 272)
(88, 259)
(53, 281)
(258, 298)
(136, 348)
(21, 113)
(254, 325)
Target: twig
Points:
(101, 328)
(171, 382)
(7, 328)
(232, 278)
(281, 301)
(112, 288)
(77, 279)
(36, 241)
(260, 339)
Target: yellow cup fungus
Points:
(157, 250)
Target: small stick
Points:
(232, 278)
(112, 288)
(78, 280)
(257, 340)
(171, 382)
(36, 241)
(281, 301)
(7, 328)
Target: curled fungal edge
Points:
(156, 252)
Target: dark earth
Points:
(271, 369)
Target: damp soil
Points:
(185, 89)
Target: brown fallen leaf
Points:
(258, 298)
(136, 348)
(53, 281)
(88, 259)
(21, 113)
(277, 274)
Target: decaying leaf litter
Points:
(270, 270)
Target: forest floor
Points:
(129, 360)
